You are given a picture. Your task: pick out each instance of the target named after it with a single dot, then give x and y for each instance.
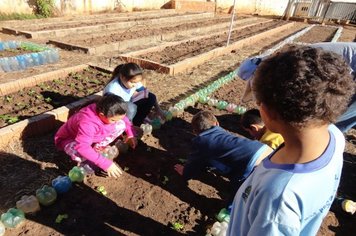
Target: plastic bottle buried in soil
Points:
(12, 218)
(2, 229)
(28, 204)
(22, 62)
(36, 59)
(14, 64)
(4, 64)
(219, 229)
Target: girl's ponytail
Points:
(116, 73)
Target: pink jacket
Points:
(86, 128)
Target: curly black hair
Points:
(304, 85)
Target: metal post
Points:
(231, 23)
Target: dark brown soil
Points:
(49, 95)
(318, 34)
(176, 53)
(13, 52)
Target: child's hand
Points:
(114, 170)
(132, 142)
(179, 168)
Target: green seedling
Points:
(9, 119)
(95, 81)
(101, 189)
(60, 218)
(165, 180)
(126, 169)
(8, 98)
(90, 91)
(31, 92)
(177, 226)
(182, 160)
(48, 99)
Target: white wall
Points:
(263, 7)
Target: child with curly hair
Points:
(300, 93)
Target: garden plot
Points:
(97, 21)
(119, 41)
(348, 34)
(69, 29)
(318, 34)
(75, 18)
(46, 92)
(180, 56)
(150, 197)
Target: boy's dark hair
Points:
(111, 105)
(251, 117)
(304, 85)
(127, 70)
(202, 121)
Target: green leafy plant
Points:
(177, 226)
(45, 8)
(9, 119)
(8, 98)
(48, 99)
(31, 92)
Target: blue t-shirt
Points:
(289, 199)
(233, 156)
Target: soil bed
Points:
(13, 52)
(348, 34)
(318, 34)
(49, 95)
(173, 54)
(82, 24)
(143, 31)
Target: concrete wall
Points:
(263, 7)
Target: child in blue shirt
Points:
(232, 156)
(300, 92)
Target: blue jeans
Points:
(348, 120)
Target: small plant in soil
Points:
(8, 98)
(9, 119)
(48, 99)
(177, 226)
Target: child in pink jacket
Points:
(88, 132)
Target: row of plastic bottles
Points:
(45, 196)
(21, 62)
(9, 45)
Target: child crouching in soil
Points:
(251, 122)
(232, 156)
(87, 133)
